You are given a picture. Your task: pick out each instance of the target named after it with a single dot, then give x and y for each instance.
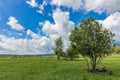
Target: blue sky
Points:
(31, 26)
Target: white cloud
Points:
(32, 3)
(9, 43)
(13, 23)
(74, 4)
(41, 23)
(61, 28)
(32, 46)
(100, 6)
(49, 28)
(112, 22)
(32, 34)
(41, 7)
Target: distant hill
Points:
(25, 55)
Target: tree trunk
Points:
(94, 64)
(87, 62)
(71, 58)
(94, 67)
(58, 57)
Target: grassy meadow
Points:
(49, 68)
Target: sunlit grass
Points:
(48, 68)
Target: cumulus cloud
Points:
(61, 28)
(112, 22)
(32, 34)
(13, 23)
(74, 4)
(9, 43)
(41, 7)
(25, 46)
(100, 6)
(49, 28)
(32, 3)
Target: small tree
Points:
(72, 52)
(116, 49)
(58, 47)
(92, 41)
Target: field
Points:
(48, 68)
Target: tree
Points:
(58, 47)
(116, 49)
(71, 52)
(92, 41)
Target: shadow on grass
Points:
(107, 73)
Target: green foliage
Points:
(116, 49)
(72, 53)
(92, 40)
(59, 47)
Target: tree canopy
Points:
(72, 52)
(58, 47)
(92, 40)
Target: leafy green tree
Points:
(116, 49)
(72, 52)
(92, 41)
(58, 47)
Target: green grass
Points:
(42, 68)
